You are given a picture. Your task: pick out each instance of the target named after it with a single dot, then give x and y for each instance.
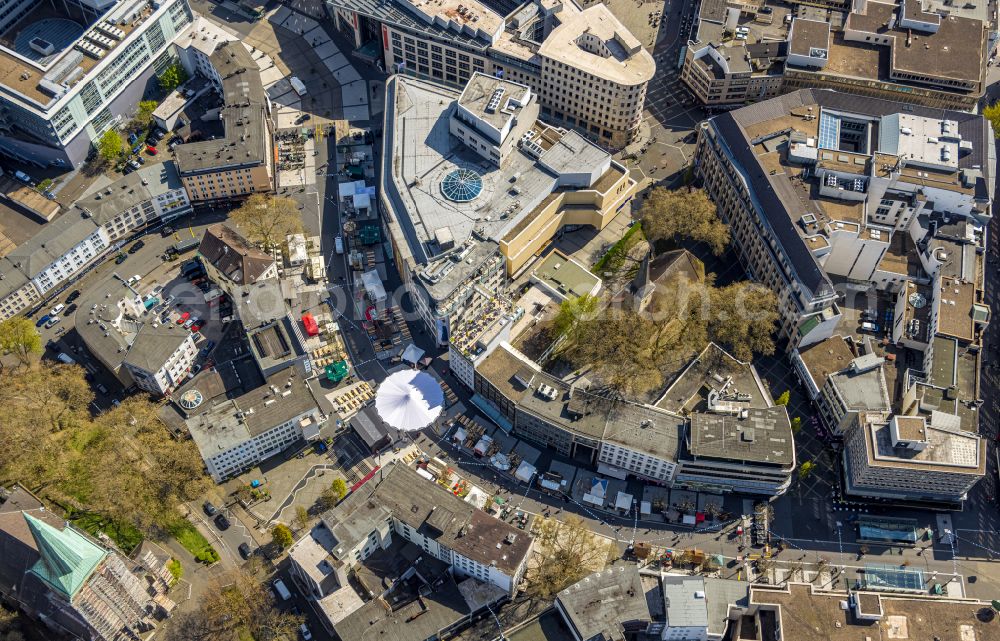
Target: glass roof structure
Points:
(462, 185)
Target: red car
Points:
(183, 318)
(195, 329)
(151, 150)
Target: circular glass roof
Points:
(462, 185)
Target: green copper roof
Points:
(68, 557)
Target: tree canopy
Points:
(266, 220)
(992, 113)
(672, 215)
(19, 336)
(572, 311)
(234, 607)
(569, 551)
(281, 534)
(55, 448)
(143, 114)
(172, 77)
(110, 145)
(743, 319)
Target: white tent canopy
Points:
(409, 400)
(412, 354)
(526, 471)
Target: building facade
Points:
(65, 99)
(70, 244)
(587, 70)
(160, 358)
(72, 584)
(919, 458)
(241, 162)
(444, 526)
(456, 242)
(865, 48)
(236, 434)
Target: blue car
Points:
(41, 321)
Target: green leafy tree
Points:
(281, 534)
(992, 113)
(572, 311)
(110, 145)
(796, 424)
(19, 336)
(143, 114)
(785, 397)
(172, 77)
(672, 215)
(806, 468)
(339, 489)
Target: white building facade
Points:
(53, 116)
(168, 376)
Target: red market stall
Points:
(312, 329)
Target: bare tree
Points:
(266, 220)
(569, 551)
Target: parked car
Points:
(55, 310)
(188, 323)
(209, 508)
(73, 295)
(134, 279)
(136, 246)
(167, 230)
(244, 550)
(120, 258)
(868, 326)
(151, 150)
(69, 309)
(279, 587)
(103, 390)
(306, 634)
(194, 371)
(183, 318)
(222, 522)
(195, 329)
(53, 321)
(176, 140)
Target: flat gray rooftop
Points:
(763, 436)
(423, 152)
(479, 92)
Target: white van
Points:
(338, 243)
(279, 587)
